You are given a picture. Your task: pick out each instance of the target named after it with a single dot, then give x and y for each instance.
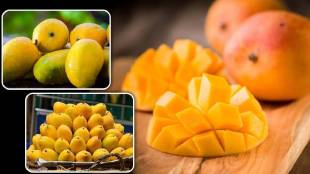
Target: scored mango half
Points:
(156, 71)
(216, 119)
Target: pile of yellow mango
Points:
(80, 133)
(57, 56)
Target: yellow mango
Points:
(228, 120)
(84, 62)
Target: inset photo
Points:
(79, 132)
(56, 49)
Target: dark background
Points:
(136, 25)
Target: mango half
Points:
(216, 120)
(156, 71)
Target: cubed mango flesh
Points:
(169, 69)
(233, 121)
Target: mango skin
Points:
(84, 62)
(273, 60)
(223, 19)
(19, 56)
(50, 68)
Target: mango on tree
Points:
(217, 119)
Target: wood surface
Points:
(289, 133)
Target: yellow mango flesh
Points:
(156, 71)
(228, 121)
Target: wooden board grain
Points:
(289, 133)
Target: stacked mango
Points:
(216, 119)
(56, 56)
(81, 133)
(156, 71)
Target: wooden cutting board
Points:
(289, 133)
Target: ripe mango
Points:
(71, 111)
(126, 141)
(110, 142)
(50, 35)
(46, 142)
(84, 52)
(33, 155)
(255, 60)
(83, 133)
(61, 144)
(79, 122)
(48, 130)
(223, 19)
(49, 154)
(169, 69)
(77, 144)
(84, 109)
(97, 131)
(63, 131)
(93, 144)
(58, 119)
(66, 155)
(88, 31)
(108, 121)
(35, 141)
(214, 121)
(99, 153)
(83, 156)
(115, 132)
(59, 107)
(50, 68)
(99, 108)
(94, 120)
(19, 56)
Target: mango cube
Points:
(224, 116)
(193, 120)
(213, 89)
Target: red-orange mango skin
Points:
(280, 43)
(225, 17)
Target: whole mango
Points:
(19, 56)
(50, 68)
(84, 62)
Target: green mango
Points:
(50, 68)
